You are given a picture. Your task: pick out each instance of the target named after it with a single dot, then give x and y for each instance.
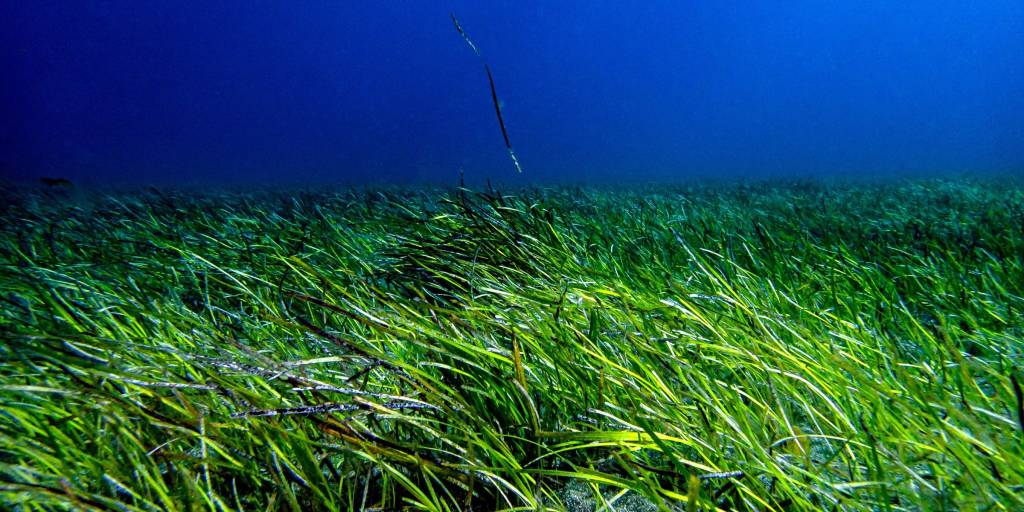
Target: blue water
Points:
(592, 92)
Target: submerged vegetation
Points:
(770, 347)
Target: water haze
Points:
(264, 93)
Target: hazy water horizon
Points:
(233, 94)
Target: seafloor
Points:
(770, 346)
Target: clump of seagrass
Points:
(759, 346)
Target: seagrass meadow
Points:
(769, 347)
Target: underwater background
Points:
(281, 256)
(610, 92)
